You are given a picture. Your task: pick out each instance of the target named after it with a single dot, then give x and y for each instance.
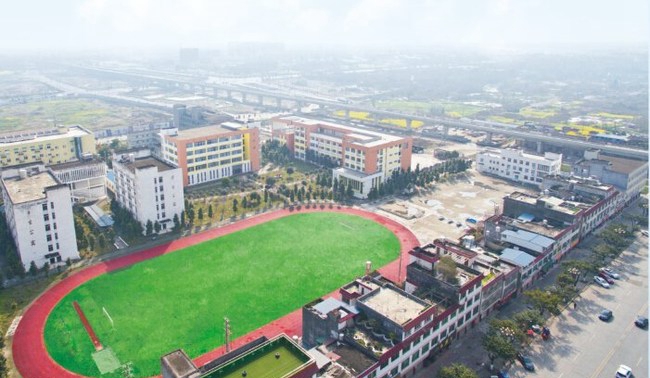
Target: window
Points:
(46, 217)
(48, 238)
(405, 364)
(50, 248)
(47, 227)
(44, 207)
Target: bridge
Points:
(488, 127)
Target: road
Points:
(583, 346)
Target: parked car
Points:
(606, 315)
(606, 277)
(641, 322)
(610, 273)
(450, 221)
(623, 372)
(441, 218)
(501, 374)
(644, 233)
(600, 281)
(526, 362)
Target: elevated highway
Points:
(476, 125)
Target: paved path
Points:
(30, 354)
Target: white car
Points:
(611, 273)
(623, 372)
(601, 281)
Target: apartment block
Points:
(38, 209)
(211, 153)
(365, 158)
(49, 146)
(152, 190)
(518, 166)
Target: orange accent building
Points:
(365, 158)
(212, 152)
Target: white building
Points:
(150, 189)
(86, 178)
(38, 209)
(518, 166)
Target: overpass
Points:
(485, 126)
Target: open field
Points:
(530, 112)
(364, 116)
(451, 109)
(93, 114)
(179, 300)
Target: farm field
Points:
(179, 300)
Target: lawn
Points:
(179, 300)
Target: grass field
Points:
(93, 114)
(179, 300)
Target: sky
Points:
(103, 24)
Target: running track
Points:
(29, 351)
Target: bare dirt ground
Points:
(447, 205)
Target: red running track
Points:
(29, 351)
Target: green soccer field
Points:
(179, 300)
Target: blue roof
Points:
(517, 257)
(526, 217)
(529, 237)
(331, 304)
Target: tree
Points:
(456, 371)
(200, 215)
(177, 223)
(210, 213)
(33, 270)
(3, 366)
(503, 339)
(157, 227)
(266, 196)
(149, 227)
(91, 242)
(101, 241)
(244, 202)
(234, 205)
(447, 267)
(544, 300)
(525, 319)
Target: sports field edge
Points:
(29, 343)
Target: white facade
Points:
(86, 179)
(150, 189)
(39, 214)
(518, 166)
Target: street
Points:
(584, 346)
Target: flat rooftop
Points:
(146, 163)
(394, 305)
(362, 136)
(623, 165)
(30, 188)
(179, 363)
(76, 164)
(201, 132)
(45, 135)
(261, 362)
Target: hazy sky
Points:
(99, 24)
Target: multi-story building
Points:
(365, 158)
(49, 146)
(38, 210)
(629, 176)
(211, 153)
(152, 190)
(86, 179)
(518, 166)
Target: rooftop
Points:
(202, 132)
(517, 257)
(147, 162)
(623, 165)
(179, 363)
(263, 361)
(44, 135)
(394, 305)
(362, 137)
(30, 188)
(529, 237)
(352, 359)
(330, 304)
(75, 164)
